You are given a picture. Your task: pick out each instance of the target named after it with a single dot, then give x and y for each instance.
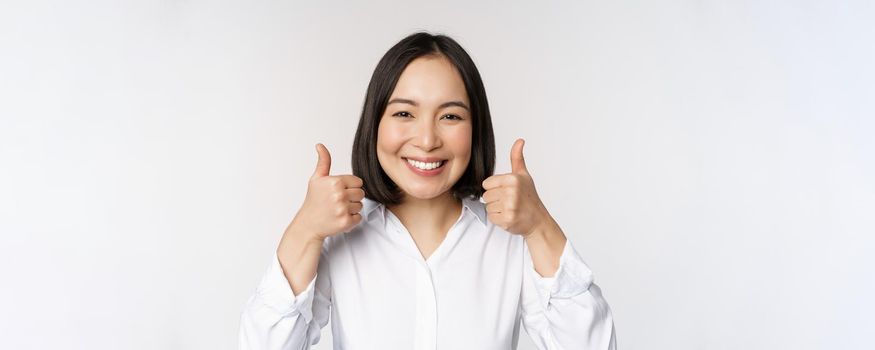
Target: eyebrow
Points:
(443, 105)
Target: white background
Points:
(712, 161)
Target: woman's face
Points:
(427, 118)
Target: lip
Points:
(432, 172)
(425, 159)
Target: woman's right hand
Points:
(332, 204)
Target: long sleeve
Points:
(566, 311)
(275, 318)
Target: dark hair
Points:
(376, 184)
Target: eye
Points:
(404, 114)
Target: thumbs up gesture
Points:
(332, 204)
(512, 202)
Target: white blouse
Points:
(471, 293)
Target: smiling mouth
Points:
(426, 165)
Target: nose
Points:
(427, 137)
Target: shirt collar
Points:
(372, 207)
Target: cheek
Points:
(388, 138)
(461, 142)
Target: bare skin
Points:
(428, 221)
(427, 116)
(332, 206)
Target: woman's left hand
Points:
(512, 202)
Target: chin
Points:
(424, 194)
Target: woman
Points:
(404, 254)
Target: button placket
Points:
(425, 331)
(425, 337)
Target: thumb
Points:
(517, 162)
(323, 165)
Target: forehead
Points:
(431, 81)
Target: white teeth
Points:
(425, 166)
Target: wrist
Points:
(546, 243)
(301, 232)
(297, 244)
(299, 236)
(543, 228)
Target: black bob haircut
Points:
(376, 184)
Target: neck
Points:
(431, 217)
